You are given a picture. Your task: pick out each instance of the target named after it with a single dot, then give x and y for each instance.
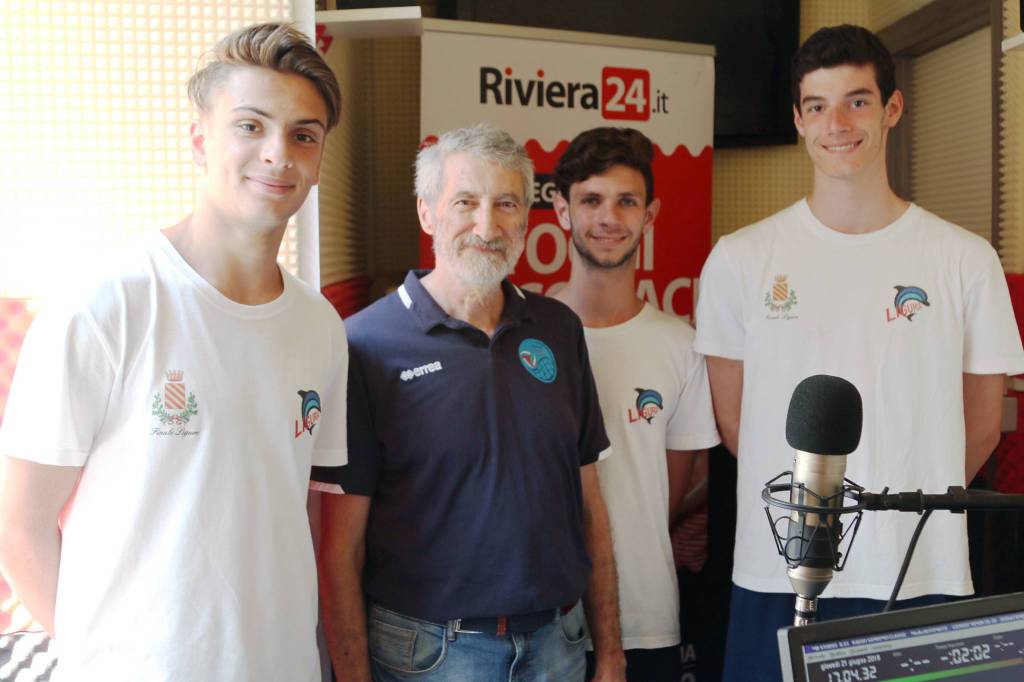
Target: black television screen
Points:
(754, 41)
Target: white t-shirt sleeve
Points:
(61, 389)
(692, 426)
(991, 339)
(720, 329)
(331, 446)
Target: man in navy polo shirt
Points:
(473, 521)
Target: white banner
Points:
(545, 92)
(550, 91)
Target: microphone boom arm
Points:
(956, 499)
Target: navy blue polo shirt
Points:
(471, 448)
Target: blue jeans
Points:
(752, 646)
(404, 648)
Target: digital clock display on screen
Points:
(989, 649)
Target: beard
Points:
(592, 260)
(482, 271)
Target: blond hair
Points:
(276, 46)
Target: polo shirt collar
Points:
(429, 314)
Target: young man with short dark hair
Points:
(857, 282)
(165, 418)
(652, 386)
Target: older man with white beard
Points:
(473, 521)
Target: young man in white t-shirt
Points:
(652, 386)
(853, 281)
(166, 414)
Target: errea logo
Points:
(430, 368)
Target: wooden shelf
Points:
(1014, 43)
(382, 22)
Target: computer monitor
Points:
(981, 640)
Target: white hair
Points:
(481, 140)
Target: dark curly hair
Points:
(596, 150)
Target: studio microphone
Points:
(823, 426)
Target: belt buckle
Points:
(457, 627)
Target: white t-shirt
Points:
(900, 312)
(654, 395)
(186, 550)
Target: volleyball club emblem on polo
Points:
(538, 360)
(648, 403)
(310, 412)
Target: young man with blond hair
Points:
(166, 416)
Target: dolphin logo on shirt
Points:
(909, 300)
(648, 403)
(310, 410)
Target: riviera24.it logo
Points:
(310, 412)
(538, 360)
(623, 94)
(909, 301)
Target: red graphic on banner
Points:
(670, 256)
(625, 94)
(323, 38)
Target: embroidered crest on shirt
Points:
(909, 301)
(538, 360)
(648, 404)
(780, 298)
(310, 411)
(174, 407)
